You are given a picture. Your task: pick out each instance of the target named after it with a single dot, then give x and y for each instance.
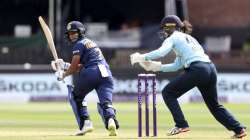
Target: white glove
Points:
(151, 65)
(59, 64)
(53, 65)
(136, 58)
(60, 75)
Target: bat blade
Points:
(49, 37)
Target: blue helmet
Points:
(171, 21)
(169, 24)
(76, 26)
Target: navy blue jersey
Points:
(90, 53)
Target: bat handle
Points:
(58, 79)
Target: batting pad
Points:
(100, 111)
(74, 106)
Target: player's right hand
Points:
(53, 65)
(151, 65)
(59, 64)
(136, 58)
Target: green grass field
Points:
(52, 121)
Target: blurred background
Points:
(119, 28)
(33, 104)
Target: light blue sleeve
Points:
(160, 52)
(173, 66)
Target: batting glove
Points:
(60, 75)
(136, 58)
(151, 65)
(59, 64)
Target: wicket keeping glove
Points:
(151, 65)
(59, 64)
(60, 75)
(136, 58)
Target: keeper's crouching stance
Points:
(95, 74)
(198, 71)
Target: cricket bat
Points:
(49, 37)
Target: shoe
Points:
(79, 133)
(242, 134)
(87, 128)
(177, 130)
(112, 127)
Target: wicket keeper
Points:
(199, 72)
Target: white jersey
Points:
(186, 48)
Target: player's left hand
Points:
(151, 65)
(60, 75)
(136, 58)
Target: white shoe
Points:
(112, 127)
(87, 128)
(79, 133)
(177, 130)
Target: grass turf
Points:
(52, 121)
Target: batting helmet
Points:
(76, 26)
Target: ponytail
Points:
(187, 28)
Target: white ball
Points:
(27, 66)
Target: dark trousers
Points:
(89, 79)
(203, 76)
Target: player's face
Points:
(73, 36)
(166, 32)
